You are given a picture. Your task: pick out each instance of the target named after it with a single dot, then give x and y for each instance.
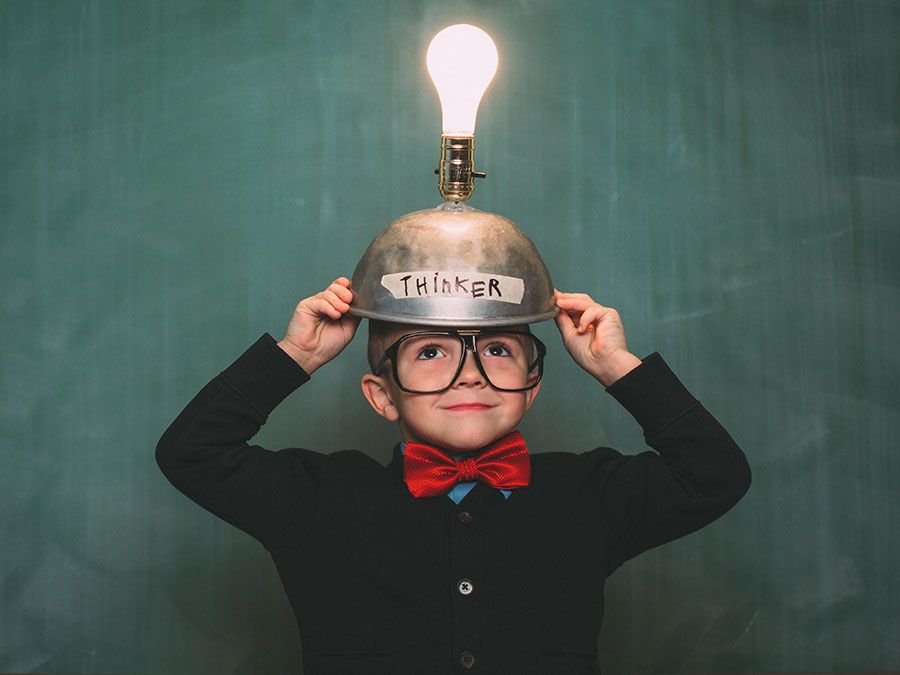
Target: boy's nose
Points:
(470, 374)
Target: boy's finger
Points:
(582, 302)
(325, 308)
(565, 323)
(574, 295)
(570, 300)
(572, 310)
(333, 298)
(341, 291)
(590, 315)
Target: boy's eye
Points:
(498, 349)
(429, 353)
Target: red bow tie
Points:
(504, 464)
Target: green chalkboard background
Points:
(176, 175)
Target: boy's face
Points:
(434, 419)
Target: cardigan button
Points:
(467, 660)
(465, 587)
(464, 517)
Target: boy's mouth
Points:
(469, 406)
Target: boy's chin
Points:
(465, 446)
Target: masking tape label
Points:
(448, 284)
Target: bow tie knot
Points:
(504, 464)
(468, 469)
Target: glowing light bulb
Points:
(462, 60)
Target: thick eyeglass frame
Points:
(467, 337)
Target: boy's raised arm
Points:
(695, 476)
(697, 472)
(204, 452)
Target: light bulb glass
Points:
(462, 60)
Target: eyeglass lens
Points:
(427, 363)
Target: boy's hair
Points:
(382, 335)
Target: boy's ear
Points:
(378, 394)
(531, 394)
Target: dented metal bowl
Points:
(453, 266)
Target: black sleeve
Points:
(699, 472)
(204, 452)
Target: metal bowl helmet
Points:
(452, 266)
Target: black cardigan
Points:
(382, 582)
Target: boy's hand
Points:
(594, 336)
(320, 327)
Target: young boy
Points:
(467, 553)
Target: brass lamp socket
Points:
(457, 170)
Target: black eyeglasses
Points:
(428, 362)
